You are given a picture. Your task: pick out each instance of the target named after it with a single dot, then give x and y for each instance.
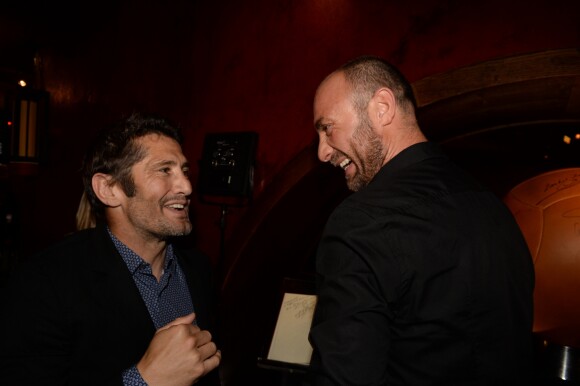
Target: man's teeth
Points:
(176, 206)
(345, 163)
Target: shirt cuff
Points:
(132, 377)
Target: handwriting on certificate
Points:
(290, 341)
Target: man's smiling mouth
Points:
(176, 206)
(344, 164)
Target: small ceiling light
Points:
(567, 140)
(22, 83)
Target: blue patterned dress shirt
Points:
(166, 299)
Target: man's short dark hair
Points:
(366, 74)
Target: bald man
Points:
(423, 275)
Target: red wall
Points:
(243, 66)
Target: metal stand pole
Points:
(224, 213)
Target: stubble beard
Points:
(368, 148)
(168, 229)
(160, 228)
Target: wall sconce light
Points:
(23, 127)
(28, 126)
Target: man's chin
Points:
(355, 183)
(182, 230)
(186, 230)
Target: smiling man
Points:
(423, 276)
(121, 303)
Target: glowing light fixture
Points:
(567, 139)
(28, 124)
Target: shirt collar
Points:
(134, 261)
(411, 155)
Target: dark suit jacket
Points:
(424, 278)
(74, 316)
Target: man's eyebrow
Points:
(164, 162)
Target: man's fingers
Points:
(207, 350)
(212, 362)
(202, 337)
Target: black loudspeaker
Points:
(227, 164)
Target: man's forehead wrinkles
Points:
(169, 162)
(161, 161)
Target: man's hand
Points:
(179, 354)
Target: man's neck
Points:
(151, 250)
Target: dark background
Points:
(253, 66)
(230, 66)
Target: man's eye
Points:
(165, 170)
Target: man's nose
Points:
(184, 184)
(324, 149)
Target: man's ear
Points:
(105, 190)
(382, 107)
